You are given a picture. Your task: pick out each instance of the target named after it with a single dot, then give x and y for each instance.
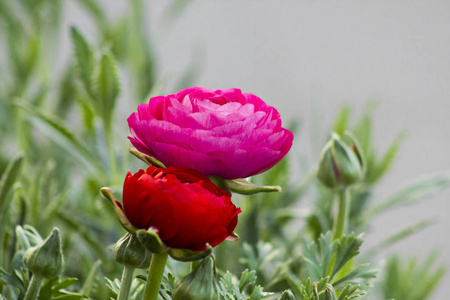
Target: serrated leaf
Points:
(95, 10)
(7, 180)
(107, 87)
(248, 278)
(329, 293)
(64, 284)
(46, 291)
(84, 59)
(413, 192)
(89, 282)
(400, 235)
(362, 271)
(113, 285)
(347, 247)
(341, 123)
(70, 296)
(64, 137)
(382, 166)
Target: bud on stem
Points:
(45, 260)
(200, 284)
(341, 163)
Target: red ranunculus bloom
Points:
(186, 208)
(226, 132)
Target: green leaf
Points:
(64, 137)
(8, 178)
(349, 292)
(94, 8)
(347, 247)
(85, 60)
(318, 256)
(108, 87)
(400, 235)
(410, 280)
(90, 278)
(248, 279)
(46, 291)
(413, 192)
(382, 166)
(64, 284)
(341, 123)
(362, 272)
(113, 285)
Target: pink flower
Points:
(225, 133)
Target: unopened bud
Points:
(329, 293)
(129, 252)
(200, 284)
(45, 260)
(341, 162)
(287, 295)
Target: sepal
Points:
(150, 240)
(118, 208)
(244, 187)
(189, 255)
(200, 284)
(233, 237)
(151, 161)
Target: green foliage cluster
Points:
(59, 145)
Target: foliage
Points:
(60, 143)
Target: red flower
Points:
(186, 208)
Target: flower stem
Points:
(34, 287)
(155, 275)
(125, 284)
(342, 213)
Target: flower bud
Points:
(287, 295)
(341, 163)
(129, 252)
(329, 293)
(46, 260)
(200, 284)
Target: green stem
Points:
(342, 213)
(34, 287)
(155, 275)
(125, 284)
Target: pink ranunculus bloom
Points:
(225, 133)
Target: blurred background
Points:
(309, 59)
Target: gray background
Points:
(306, 56)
